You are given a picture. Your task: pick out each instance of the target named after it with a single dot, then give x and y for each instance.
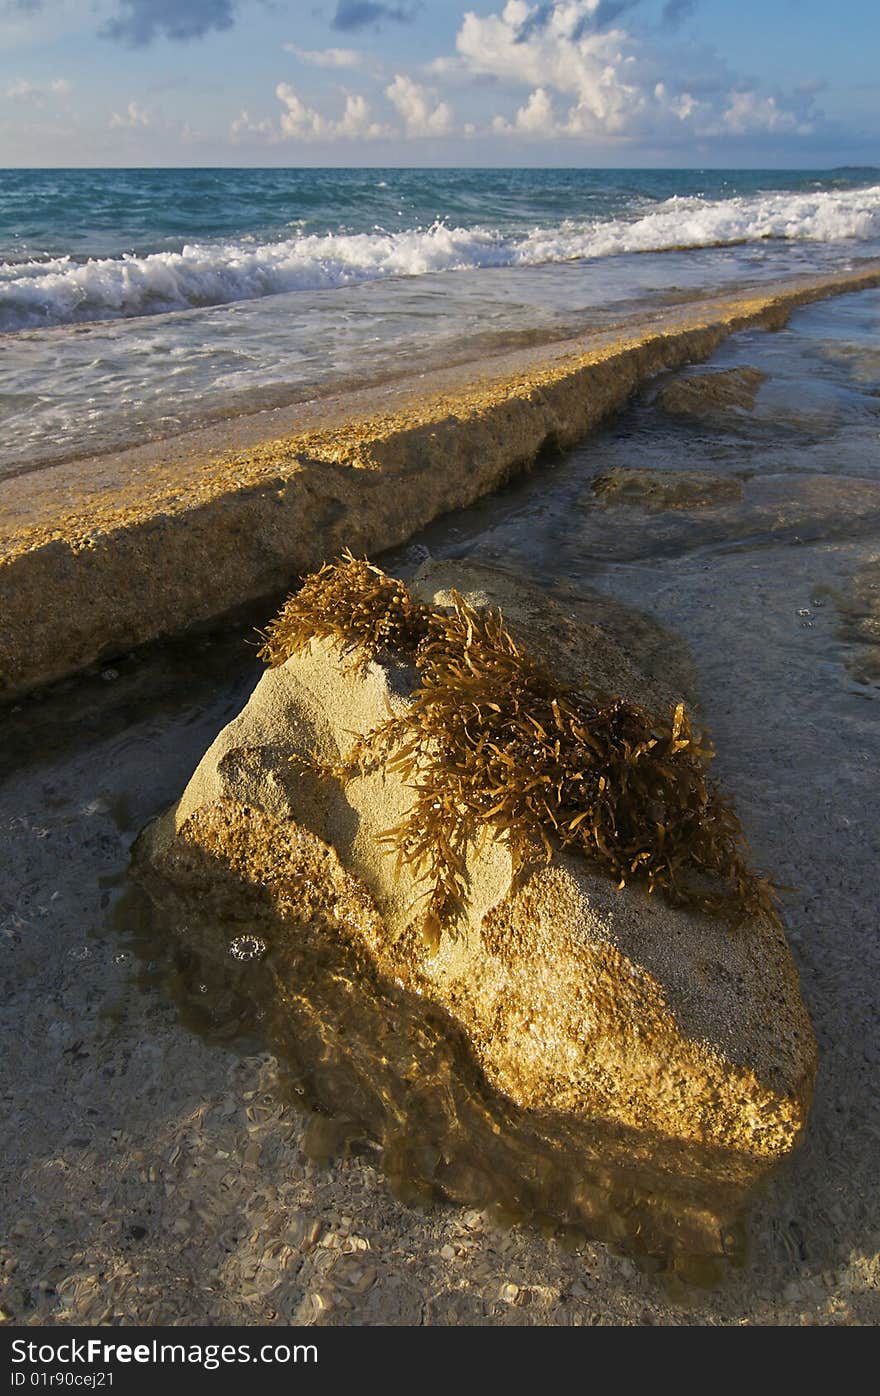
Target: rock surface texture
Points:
(144, 543)
(569, 1050)
(703, 394)
(667, 489)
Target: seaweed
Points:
(493, 742)
(354, 603)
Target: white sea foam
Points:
(64, 291)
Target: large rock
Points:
(571, 1050)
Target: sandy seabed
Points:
(149, 1177)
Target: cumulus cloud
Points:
(135, 117)
(558, 46)
(536, 118)
(422, 114)
(300, 122)
(247, 129)
(37, 93)
(750, 112)
(568, 69)
(359, 14)
(588, 77)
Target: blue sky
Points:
(434, 82)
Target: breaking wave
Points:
(62, 290)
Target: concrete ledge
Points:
(96, 557)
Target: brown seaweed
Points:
(493, 741)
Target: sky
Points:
(725, 83)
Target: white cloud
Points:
(444, 67)
(683, 105)
(246, 128)
(330, 57)
(588, 77)
(422, 114)
(559, 69)
(300, 122)
(134, 117)
(600, 70)
(37, 92)
(536, 118)
(750, 112)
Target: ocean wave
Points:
(62, 291)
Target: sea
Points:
(137, 304)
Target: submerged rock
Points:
(667, 489)
(704, 394)
(567, 1049)
(859, 607)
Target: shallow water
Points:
(759, 589)
(755, 585)
(88, 389)
(140, 304)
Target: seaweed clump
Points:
(493, 742)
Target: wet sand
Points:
(153, 1176)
